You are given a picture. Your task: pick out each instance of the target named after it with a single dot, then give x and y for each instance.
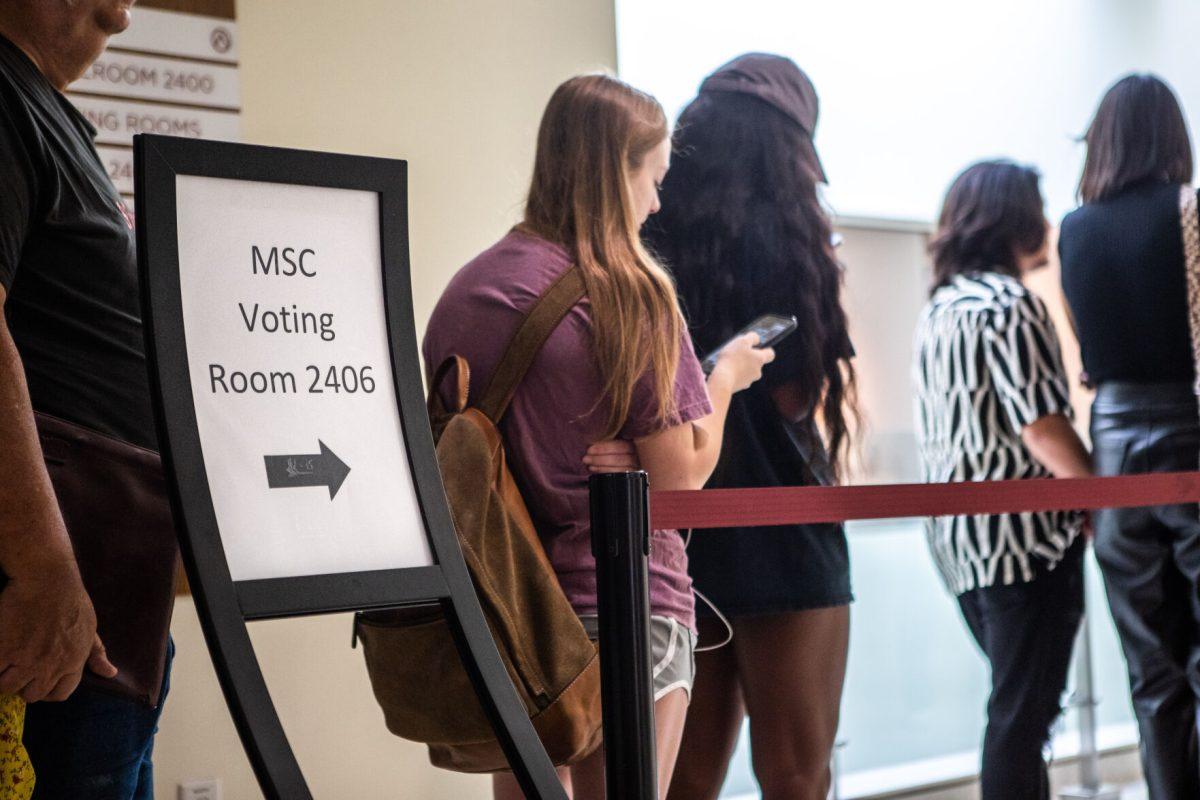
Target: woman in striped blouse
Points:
(992, 404)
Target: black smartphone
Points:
(771, 329)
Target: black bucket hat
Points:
(777, 81)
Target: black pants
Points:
(1027, 632)
(1150, 558)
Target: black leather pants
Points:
(1150, 558)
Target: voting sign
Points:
(288, 390)
(287, 348)
(291, 419)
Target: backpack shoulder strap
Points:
(525, 344)
(1189, 219)
(462, 386)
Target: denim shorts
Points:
(672, 652)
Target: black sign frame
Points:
(223, 605)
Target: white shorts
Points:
(672, 653)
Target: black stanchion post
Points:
(621, 544)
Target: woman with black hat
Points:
(744, 232)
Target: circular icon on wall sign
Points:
(221, 40)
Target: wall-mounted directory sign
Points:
(169, 73)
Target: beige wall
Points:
(457, 88)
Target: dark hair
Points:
(1138, 134)
(992, 213)
(743, 231)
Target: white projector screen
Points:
(911, 92)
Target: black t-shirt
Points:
(758, 449)
(1123, 274)
(67, 262)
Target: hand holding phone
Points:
(771, 330)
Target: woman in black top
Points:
(744, 233)
(1123, 273)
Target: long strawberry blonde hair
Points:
(595, 132)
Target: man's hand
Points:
(48, 634)
(614, 455)
(47, 625)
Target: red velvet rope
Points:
(743, 508)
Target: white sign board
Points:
(117, 121)
(179, 34)
(118, 74)
(118, 163)
(290, 371)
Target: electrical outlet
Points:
(200, 790)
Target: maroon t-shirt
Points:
(559, 410)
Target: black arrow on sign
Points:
(320, 469)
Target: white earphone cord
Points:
(687, 539)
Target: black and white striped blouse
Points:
(987, 364)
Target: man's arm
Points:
(47, 625)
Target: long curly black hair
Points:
(744, 233)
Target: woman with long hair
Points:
(1123, 274)
(744, 232)
(993, 404)
(618, 367)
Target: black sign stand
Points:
(223, 605)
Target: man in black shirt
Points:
(71, 346)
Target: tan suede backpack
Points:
(549, 657)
